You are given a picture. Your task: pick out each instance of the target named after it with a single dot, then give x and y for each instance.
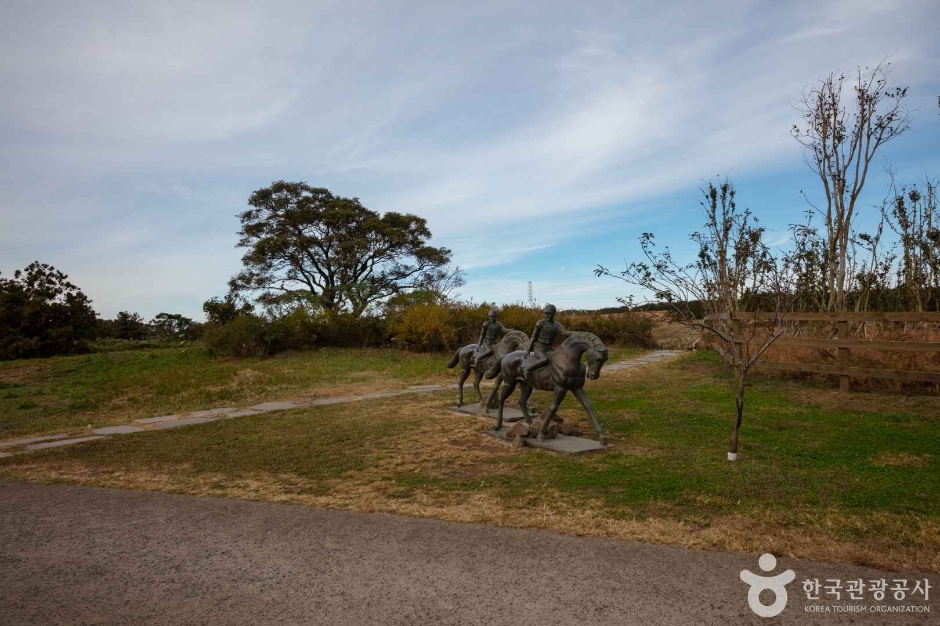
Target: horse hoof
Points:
(603, 441)
(541, 438)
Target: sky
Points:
(538, 139)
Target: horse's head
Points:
(596, 357)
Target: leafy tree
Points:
(43, 314)
(307, 246)
(127, 325)
(172, 325)
(224, 310)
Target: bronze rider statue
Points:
(492, 331)
(543, 338)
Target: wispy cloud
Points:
(134, 132)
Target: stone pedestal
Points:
(509, 414)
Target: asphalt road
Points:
(77, 555)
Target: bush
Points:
(619, 329)
(346, 331)
(252, 336)
(426, 327)
(242, 337)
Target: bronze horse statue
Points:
(564, 373)
(511, 341)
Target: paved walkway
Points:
(80, 555)
(160, 422)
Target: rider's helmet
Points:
(492, 313)
(549, 308)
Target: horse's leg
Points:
(523, 402)
(560, 393)
(476, 385)
(582, 397)
(506, 392)
(492, 398)
(464, 374)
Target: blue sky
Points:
(538, 139)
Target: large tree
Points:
(307, 245)
(43, 314)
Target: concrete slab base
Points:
(509, 414)
(117, 430)
(3, 455)
(561, 443)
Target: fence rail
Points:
(844, 345)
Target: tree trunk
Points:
(739, 415)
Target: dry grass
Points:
(411, 456)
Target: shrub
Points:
(241, 337)
(426, 327)
(619, 329)
(346, 331)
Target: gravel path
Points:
(79, 555)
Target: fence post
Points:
(843, 334)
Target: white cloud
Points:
(511, 128)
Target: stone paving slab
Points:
(275, 406)
(156, 420)
(426, 388)
(186, 421)
(4, 455)
(213, 412)
(326, 401)
(561, 443)
(23, 442)
(244, 413)
(382, 394)
(61, 442)
(118, 430)
(509, 414)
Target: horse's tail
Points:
(494, 369)
(454, 361)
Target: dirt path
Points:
(79, 555)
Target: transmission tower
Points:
(531, 296)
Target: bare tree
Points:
(839, 147)
(913, 215)
(734, 274)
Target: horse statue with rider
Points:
(551, 362)
(495, 342)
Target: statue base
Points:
(509, 414)
(561, 443)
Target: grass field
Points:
(852, 478)
(46, 395)
(65, 393)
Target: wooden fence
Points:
(844, 344)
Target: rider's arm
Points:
(535, 335)
(482, 332)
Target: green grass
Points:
(824, 475)
(48, 395)
(45, 395)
